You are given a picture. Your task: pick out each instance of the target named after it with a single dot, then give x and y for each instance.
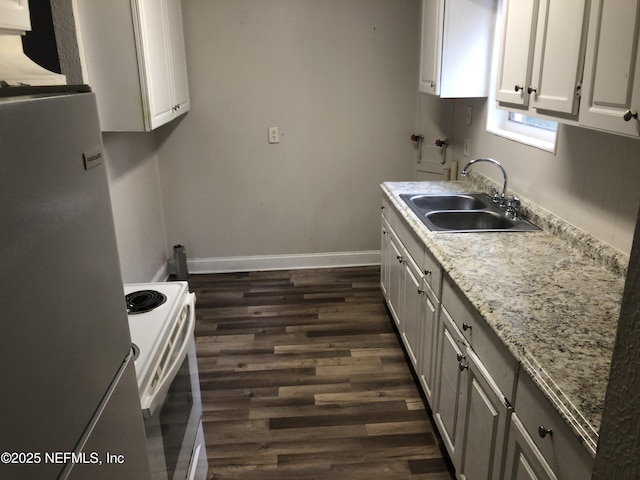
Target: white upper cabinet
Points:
(178, 57)
(456, 47)
(516, 52)
(542, 55)
(164, 74)
(611, 90)
(135, 61)
(14, 15)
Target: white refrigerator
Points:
(69, 404)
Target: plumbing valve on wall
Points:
(418, 138)
(435, 169)
(443, 144)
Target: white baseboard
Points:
(281, 262)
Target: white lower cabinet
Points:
(547, 435)
(396, 278)
(488, 411)
(411, 306)
(429, 340)
(385, 262)
(447, 405)
(483, 419)
(391, 279)
(523, 459)
(411, 281)
(470, 410)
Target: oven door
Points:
(174, 414)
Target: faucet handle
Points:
(513, 207)
(495, 196)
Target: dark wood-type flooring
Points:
(303, 377)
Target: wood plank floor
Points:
(303, 377)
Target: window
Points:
(537, 132)
(532, 121)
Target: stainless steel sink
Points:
(469, 221)
(464, 212)
(459, 201)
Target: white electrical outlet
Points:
(274, 135)
(466, 147)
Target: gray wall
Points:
(136, 198)
(340, 80)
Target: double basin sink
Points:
(464, 212)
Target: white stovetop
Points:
(149, 330)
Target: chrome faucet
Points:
(503, 196)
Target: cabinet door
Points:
(178, 59)
(428, 335)
(14, 15)
(431, 46)
(559, 55)
(447, 404)
(516, 51)
(482, 423)
(413, 289)
(467, 41)
(523, 459)
(395, 277)
(611, 85)
(385, 258)
(155, 67)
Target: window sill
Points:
(545, 145)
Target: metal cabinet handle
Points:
(463, 366)
(518, 88)
(531, 90)
(543, 432)
(466, 326)
(628, 115)
(420, 291)
(399, 257)
(460, 357)
(428, 272)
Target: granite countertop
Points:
(552, 297)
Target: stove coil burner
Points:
(144, 300)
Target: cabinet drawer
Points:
(409, 239)
(502, 365)
(562, 450)
(458, 308)
(432, 273)
(420, 254)
(385, 207)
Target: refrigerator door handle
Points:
(155, 399)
